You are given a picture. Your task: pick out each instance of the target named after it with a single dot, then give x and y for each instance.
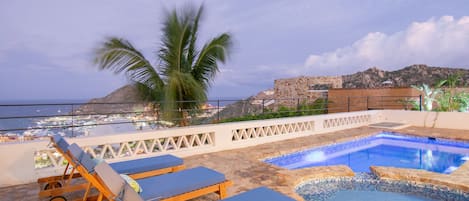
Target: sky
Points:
(47, 46)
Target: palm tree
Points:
(452, 100)
(453, 80)
(183, 72)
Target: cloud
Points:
(236, 82)
(262, 76)
(239, 77)
(271, 40)
(437, 42)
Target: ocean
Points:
(19, 115)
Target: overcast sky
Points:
(46, 47)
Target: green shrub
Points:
(318, 107)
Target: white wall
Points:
(18, 166)
(452, 120)
(17, 162)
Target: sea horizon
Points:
(85, 100)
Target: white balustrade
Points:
(271, 130)
(340, 122)
(25, 162)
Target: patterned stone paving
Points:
(245, 168)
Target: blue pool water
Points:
(384, 149)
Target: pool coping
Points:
(455, 180)
(389, 125)
(458, 179)
(256, 173)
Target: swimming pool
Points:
(383, 149)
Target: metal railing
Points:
(30, 121)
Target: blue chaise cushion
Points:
(60, 142)
(168, 185)
(261, 193)
(146, 164)
(82, 158)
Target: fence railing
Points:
(360, 103)
(21, 122)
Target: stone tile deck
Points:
(245, 168)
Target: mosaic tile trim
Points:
(324, 189)
(411, 138)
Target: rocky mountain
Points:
(124, 99)
(249, 106)
(411, 75)
(127, 93)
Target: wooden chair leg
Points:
(69, 180)
(100, 197)
(222, 191)
(88, 189)
(65, 171)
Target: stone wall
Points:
(288, 92)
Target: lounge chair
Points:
(138, 168)
(182, 185)
(261, 193)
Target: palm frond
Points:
(182, 92)
(148, 94)
(192, 52)
(441, 83)
(119, 56)
(175, 41)
(206, 66)
(453, 80)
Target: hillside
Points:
(249, 106)
(411, 75)
(127, 94)
(371, 78)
